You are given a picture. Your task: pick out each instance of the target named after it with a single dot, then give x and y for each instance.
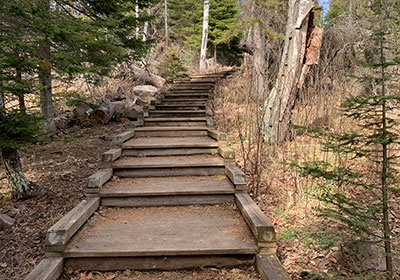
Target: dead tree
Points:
(293, 68)
(204, 39)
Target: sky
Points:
(325, 5)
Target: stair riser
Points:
(182, 107)
(168, 200)
(171, 133)
(166, 172)
(158, 263)
(156, 114)
(184, 102)
(186, 96)
(169, 152)
(174, 123)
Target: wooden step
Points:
(172, 191)
(177, 113)
(169, 146)
(184, 100)
(127, 187)
(190, 90)
(166, 232)
(188, 106)
(196, 121)
(169, 166)
(171, 131)
(186, 96)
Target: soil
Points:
(60, 169)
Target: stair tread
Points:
(167, 186)
(174, 119)
(170, 128)
(163, 231)
(177, 111)
(169, 142)
(169, 162)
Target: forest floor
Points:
(61, 168)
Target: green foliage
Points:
(224, 32)
(358, 187)
(18, 129)
(172, 66)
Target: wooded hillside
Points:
(305, 93)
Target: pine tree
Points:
(359, 193)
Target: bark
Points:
(279, 105)
(166, 22)
(45, 80)
(146, 27)
(259, 58)
(148, 77)
(103, 114)
(21, 97)
(204, 39)
(20, 186)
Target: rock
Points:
(362, 256)
(6, 221)
(64, 121)
(125, 120)
(129, 113)
(144, 94)
(120, 94)
(119, 106)
(82, 110)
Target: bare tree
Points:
(281, 100)
(204, 39)
(166, 22)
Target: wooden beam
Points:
(99, 178)
(122, 137)
(217, 135)
(259, 224)
(111, 155)
(237, 176)
(270, 268)
(226, 152)
(47, 269)
(59, 235)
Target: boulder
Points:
(6, 221)
(119, 106)
(144, 94)
(130, 113)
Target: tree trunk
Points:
(21, 97)
(166, 22)
(259, 58)
(146, 27)
(148, 77)
(20, 186)
(281, 100)
(137, 16)
(103, 114)
(204, 39)
(45, 80)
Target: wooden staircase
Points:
(171, 197)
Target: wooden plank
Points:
(235, 174)
(163, 231)
(159, 263)
(111, 155)
(170, 152)
(259, 224)
(180, 128)
(168, 142)
(168, 172)
(167, 186)
(169, 162)
(226, 152)
(47, 269)
(183, 119)
(217, 135)
(122, 137)
(59, 234)
(99, 178)
(270, 268)
(167, 200)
